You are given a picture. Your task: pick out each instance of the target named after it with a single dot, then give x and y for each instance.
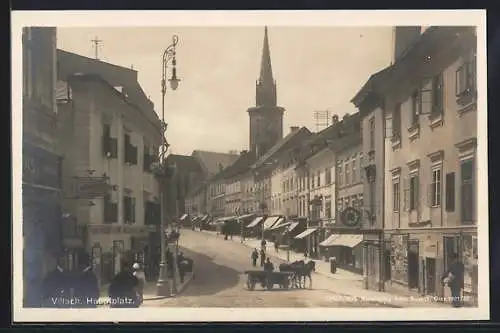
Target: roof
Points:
(292, 139)
(184, 163)
(212, 162)
(101, 80)
(432, 40)
(69, 63)
(335, 137)
(240, 166)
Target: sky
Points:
(315, 68)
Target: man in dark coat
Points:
(268, 266)
(255, 256)
(123, 290)
(262, 257)
(454, 279)
(86, 286)
(170, 262)
(57, 285)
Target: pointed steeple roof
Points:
(266, 71)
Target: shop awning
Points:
(255, 222)
(292, 226)
(271, 221)
(227, 218)
(347, 240)
(204, 218)
(183, 217)
(280, 225)
(246, 216)
(305, 233)
(330, 240)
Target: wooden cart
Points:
(268, 279)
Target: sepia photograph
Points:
(285, 166)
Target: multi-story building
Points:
(345, 238)
(111, 136)
(431, 197)
(248, 203)
(41, 174)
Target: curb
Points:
(179, 290)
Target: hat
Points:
(136, 266)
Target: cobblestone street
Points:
(220, 280)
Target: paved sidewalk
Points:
(348, 284)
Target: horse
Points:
(299, 269)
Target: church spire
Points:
(266, 71)
(266, 87)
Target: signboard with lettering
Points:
(91, 187)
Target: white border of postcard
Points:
(246, 18)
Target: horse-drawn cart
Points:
(268, 279)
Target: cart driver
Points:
(268, 266)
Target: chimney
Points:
(335, 119)
(294, 129)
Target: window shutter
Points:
(425, 100)
(406, 194)
(450, 192)
(417, 193)
(113, 148)
(430, 195)
(132, 209)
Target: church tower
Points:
(266, 117)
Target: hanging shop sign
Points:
(351, 217)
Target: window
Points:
(466, 76)
(328, 176)
(415, 107)
(354, 172)
(414, 192)
(340, 174)
(319, 178)
(437, 95)
(467, 198)
(450, 192)
(347, 173)
(372, 133)
(395, 195)
(328, 209)
(130, 150)
(396, 122)
(311, 176)
(360, 202)
(436, 188)
(110, 210)
(128, 209)
(109, 144)
(340, 205)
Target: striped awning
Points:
(280, 225)
(347, 240)
(292, 226)
(255, 222)
(329, 241)
(271, 221)
(183, 217)
(305, 233)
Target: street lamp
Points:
(168, 55)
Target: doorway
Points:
(430, 275)
(413, 264)
(387, 265)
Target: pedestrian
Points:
(56, 286)
(141, 278)
(263, 244)
(254, 256)
(262, 257)
(86, 285)
(268, 266)
(123, 290)
(170, 262)
(182, 265)
(454, 279)
(276, 245)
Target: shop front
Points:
(418, 260)
(111, 244)
(347, 250)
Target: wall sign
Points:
(351, 217)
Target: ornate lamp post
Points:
(161, 169)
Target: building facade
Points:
(110, 145)
(431, 201)
(41, 162)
